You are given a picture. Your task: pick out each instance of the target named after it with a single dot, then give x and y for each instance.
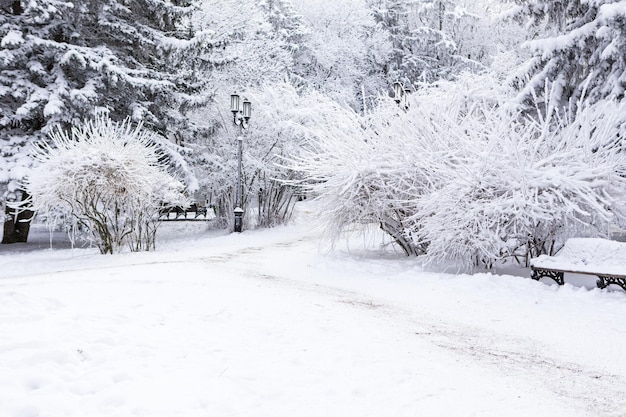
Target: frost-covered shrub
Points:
(106, 178)
(363, 171)
(523, 186)
(461, 176)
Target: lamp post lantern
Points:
(398, 90)
(400, 93)
(241, 115)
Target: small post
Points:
(398, 90)
(238, 219)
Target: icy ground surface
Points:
(263, 323)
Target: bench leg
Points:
(606, 280)
(539, 273)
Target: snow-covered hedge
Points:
(465, 178)
(106, 178)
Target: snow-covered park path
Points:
(264, 324)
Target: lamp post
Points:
(241, 114)
(401, 92)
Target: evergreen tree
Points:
(582, 50)
(420, 32)
(250, 52)
(345, 58)
(290, 32)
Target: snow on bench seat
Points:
(591, 256)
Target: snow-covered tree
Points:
(250, 52)
(347, 50)
(392, 16)
(423, 49)
(290, 32)
(481, 30)
(580, 50)
(106, 178)
(520, 187)
(371, 168)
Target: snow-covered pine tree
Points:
(290, 31)
(582, 49)
(420, 32)
(250, 54)
(345, 58)
(59, 60)
(392, 16)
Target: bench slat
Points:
(573, 271)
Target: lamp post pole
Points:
(241, 115)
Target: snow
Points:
(18, 172)
(268, 323)
(612, 11)
(75, 58)
(13, 38)
(587, 255)
(54, 106)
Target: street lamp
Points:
(241, 115)
(401, 92)
(398, 89)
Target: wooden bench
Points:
(603, 258)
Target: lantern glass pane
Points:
(247, 109)
(397, 89)
(234, 102)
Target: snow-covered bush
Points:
(520, 187)
(373, 168)
(361, 171)
(105, 177)
(461, 176)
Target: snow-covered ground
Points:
(267, 323)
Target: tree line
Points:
(171, 66)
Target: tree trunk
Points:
(394, 229)
(17, 223)
(17, 7)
